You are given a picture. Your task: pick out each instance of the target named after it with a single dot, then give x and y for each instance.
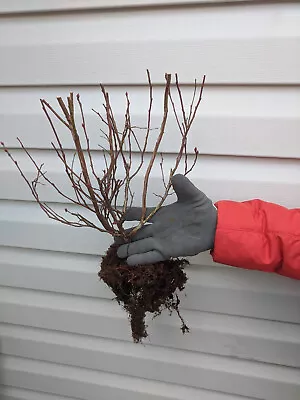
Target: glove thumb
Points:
(185, 189)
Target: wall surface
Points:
(61, 336)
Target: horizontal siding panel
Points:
(41, 233)
(58, 236)
(225, 335)
(12, 393)
(219, 135)
(269, 179)
(62, 335)
(53, 237)
(201, 36)
(88, 384)
(206, 372)
(272, 21)
(216, 335)
(197, 57)
(59, 262)
(260, 116)
(218, 289)
(25, 224)
(17, 6)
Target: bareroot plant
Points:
(102, 195)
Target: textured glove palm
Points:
(184, 228)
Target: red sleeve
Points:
(258, 235)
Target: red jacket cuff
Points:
(241, 239)
(258, 235)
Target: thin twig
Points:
(156, 147)
(103, 198)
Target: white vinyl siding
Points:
(61, 335)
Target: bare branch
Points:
(101, 195)
(187, 171)
(156, 147)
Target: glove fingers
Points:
(141, 246)
(135, 213)
(143, 233)
(149, 257)
(185, 189)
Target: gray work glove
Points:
(184, 228)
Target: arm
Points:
(252, 234)
(258, 235)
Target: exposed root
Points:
(144, 288)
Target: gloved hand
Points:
(184, 228)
